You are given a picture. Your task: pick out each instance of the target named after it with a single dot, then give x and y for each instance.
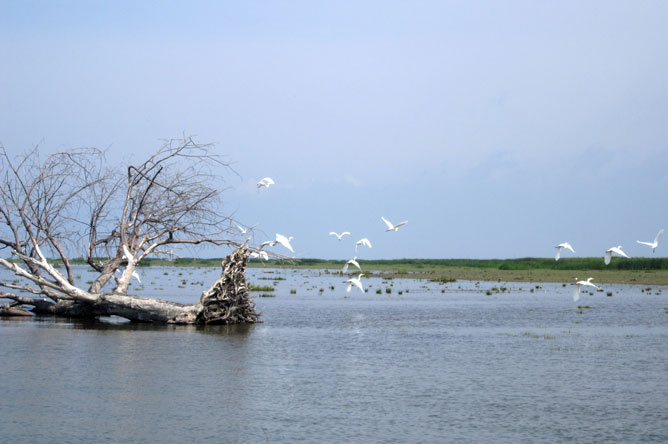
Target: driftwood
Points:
(74, 203)
(226, 302)
(13, 311)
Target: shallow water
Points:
(440, 362)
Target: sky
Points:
(497, 129)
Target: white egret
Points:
(134, 274)
(655, 243)
(560, 246)
(578, 284)
(285, 241)
(352, 261)
(356, 282)
(280, 239)
(265, 183)
(390, 226)
(364, 241)
(260, 255)
(246, 230)
(609, 251)
(339, 236)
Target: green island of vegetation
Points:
(639, 270)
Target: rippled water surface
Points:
(437, 363)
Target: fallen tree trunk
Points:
(226, 302)
(13, 312)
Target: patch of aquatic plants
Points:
(253, 287)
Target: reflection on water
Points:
(434, 363)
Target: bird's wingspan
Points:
(608, 257)
(558, 255)
(656, 239)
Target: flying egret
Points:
(618, 250)
(559, 247)
(260, 255)
(244, 231)
(364, 241)
(265, 183)
(655, 243)
(578, 284)
(352, 261)
(390, 226)
(338, 236)
(285, 241)
(134, 274)
(356, 282)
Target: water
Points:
(423, 366)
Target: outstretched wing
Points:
(576, 293)
(388, 223)
(608, 257)
(558, 255)
(656, 239)
(620, 252)
(358, 284)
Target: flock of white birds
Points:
(285, 241)
(357, 282)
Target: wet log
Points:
(13, 311)
(228, 301)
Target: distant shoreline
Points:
(641, 270)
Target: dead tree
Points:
(74, 203)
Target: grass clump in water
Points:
(253, 287)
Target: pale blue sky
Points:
(497, 129)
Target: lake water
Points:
(437, 363)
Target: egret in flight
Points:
(246, 230)
(134, 274)
(260, 255)
(391, 227)
(280, 239)
(578, 284)
(364, 241)
(559, 247)
(285, 241)
(352, 261)
(356, 282)
(618, 250)
(338, 236)
(655, 243)
(265, 183)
